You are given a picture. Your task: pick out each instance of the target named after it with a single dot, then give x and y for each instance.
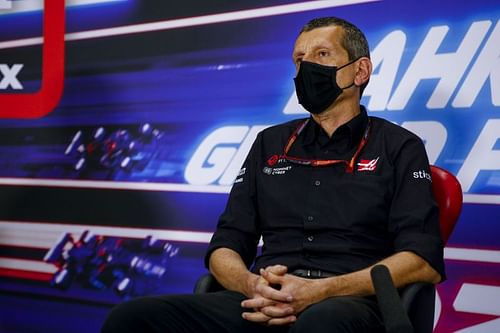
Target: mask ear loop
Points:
(349, 63)
(349, 86)
(345, 65)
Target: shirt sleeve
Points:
(414, 214)
(237, 228)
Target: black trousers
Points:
(221, 312)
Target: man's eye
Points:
(323, 54)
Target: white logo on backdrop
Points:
(461, 75)
(8, 76)
(5, 4)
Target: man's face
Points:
(323, 46)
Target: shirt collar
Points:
(353, 129)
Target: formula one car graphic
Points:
(121, 149)
(130, 267)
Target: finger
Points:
(277, 311)
(271, 277)
(257, 302)
(277, 269)
(273, 294)
(256, 317)
(282, 321)
(261, 280)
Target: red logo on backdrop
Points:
(368, 165)
(273, 160)
(42, 102)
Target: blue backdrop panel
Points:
(116, 193)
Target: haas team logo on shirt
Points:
(273, 160)
(368, 165)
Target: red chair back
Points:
(448, 195)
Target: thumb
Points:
(271, 277)
(277, 269)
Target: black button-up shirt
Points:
(324, 217)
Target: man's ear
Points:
(363, 71)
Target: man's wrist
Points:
(324, 288)
(250, 284)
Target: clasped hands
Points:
(277, 297)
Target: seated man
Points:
(330, 195)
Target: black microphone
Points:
(395, 317)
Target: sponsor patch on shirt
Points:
(276, 171)
(239, 177)
(422, 174)
(368, 165)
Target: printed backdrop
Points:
(119, 144)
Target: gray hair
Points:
(353, 40)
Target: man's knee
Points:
(340, 314)
(174, 313)
(129, 316)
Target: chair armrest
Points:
(418, 299)
(207, 284)
(394, 315)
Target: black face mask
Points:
(316, 86)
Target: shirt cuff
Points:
(235, 241)
(428, 247)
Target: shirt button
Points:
(317, 183)
(310, 218)
(310, 238)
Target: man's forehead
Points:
(329, 36)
